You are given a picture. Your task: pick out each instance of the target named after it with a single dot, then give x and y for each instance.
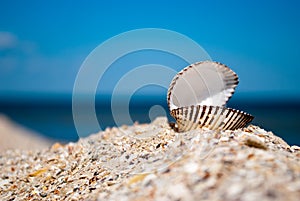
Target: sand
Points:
(153, 162)
(14, 136)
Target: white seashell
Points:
(197, 95)
(211, 117)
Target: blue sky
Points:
(42, 45)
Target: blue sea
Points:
(54, 119)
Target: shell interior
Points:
(203, 83)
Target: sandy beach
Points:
(153, 162)
(14, 136)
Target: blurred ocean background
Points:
(43, 44)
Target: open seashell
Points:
(197, 96)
